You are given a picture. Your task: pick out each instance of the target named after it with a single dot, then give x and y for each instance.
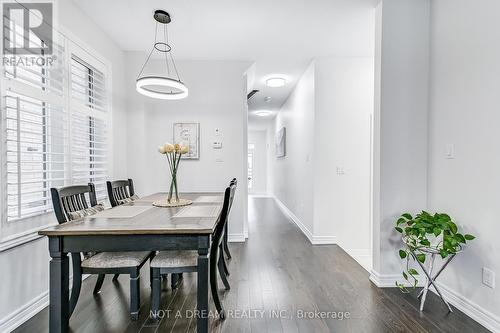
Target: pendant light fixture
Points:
(168, 85)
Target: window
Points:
(89, 135)
(34, 154)
(54, 131)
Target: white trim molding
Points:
(471, 309)
(236, 238)
(323, 240)
(362, 256)
(389, 280)
(30, 309)
(24, 313)
(20, 239)
(260, 195)
(314, 240)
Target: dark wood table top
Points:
(153, 221)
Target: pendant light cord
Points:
(150, 53)
(165, 36)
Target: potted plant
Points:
(427, 234)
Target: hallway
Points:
(276, 276)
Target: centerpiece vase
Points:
(173, 153)
(173, 192)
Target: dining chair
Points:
(224, 245)
(120, 192)
(75, 202)
(187, 261)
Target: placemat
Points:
(209, 198)
(121, 212)
(198, 211)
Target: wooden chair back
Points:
(71, 199)
(119, 190)
(221, 223)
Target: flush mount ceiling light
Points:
(167, 86)
(263, 113)
(275, 82)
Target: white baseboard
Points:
(236, 238)
(471, 309)
(324, 240)
(24, 313)
(294, 219)
(389, 280)
(29, 310)
(315, 240)
(362, 256)
(260, 195)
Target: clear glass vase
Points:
(173, 194)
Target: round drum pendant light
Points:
(168, 86)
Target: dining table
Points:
(145, 228)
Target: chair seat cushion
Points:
(127, 200)
(172, 259)
(85, 212)
(116, 259)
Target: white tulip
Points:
(168, 147)
(161, 149)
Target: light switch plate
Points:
(488, 278)
(450, 151)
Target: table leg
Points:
(202, 297)
(59, 287)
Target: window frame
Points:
(23, 230)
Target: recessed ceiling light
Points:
(263, 113)
(275, 82)
(267, 99)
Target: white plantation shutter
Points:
(34, 127)
(35, 154)
(54, 128)
(88, 126)
(34, 73)
(87, 85)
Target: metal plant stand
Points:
(431, 279)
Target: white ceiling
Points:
(281, 36)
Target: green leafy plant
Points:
(416, 232)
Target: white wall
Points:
(292, 181)
(400, 131)
(24, 278)
(217, 99)
(342, 139)
(259, 139)
(464, 111)
(327, 120)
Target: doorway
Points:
(257, 163)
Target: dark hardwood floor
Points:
(275, 276)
